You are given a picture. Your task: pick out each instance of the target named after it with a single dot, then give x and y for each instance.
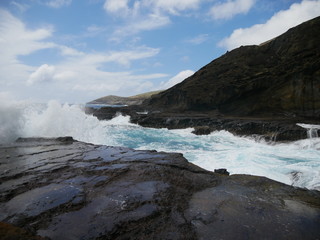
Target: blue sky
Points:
(78, 50)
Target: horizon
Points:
(78, 51)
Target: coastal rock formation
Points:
(280, 78)
(263, 90)
(65, 189)
(268, 128)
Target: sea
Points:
(294, 163)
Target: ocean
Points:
(295, 163)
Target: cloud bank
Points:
(76, 73)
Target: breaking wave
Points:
(296, 163)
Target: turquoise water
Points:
(98, 106)
(296, 163)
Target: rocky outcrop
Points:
(280, 78)
(271, 129)
(253, 90)
(65, 189)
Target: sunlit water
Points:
(296, 163)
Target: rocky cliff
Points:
(279, 78)
(262, 90)
(65, 189)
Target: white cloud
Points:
(65, 75)
(44, 73)
(198, 39)
(83, 74)
(124, 81)
(16, 40)
(121, 57)
(276, 25)
(176, 79)
(145, 15)
(146, 23)
(22, 7)
(58, 3)
(67, 51)
(94, 30)
(174, 7)
(78, 76)
(116, 6)
(231, 8)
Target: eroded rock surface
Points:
(65, 189)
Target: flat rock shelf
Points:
(65, 189)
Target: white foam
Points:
(296, 163)
(312, 129)
(242, 155)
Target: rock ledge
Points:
(65, 189)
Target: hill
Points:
(116, 100)
(278, 78)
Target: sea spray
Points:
(295, 163)
(11, 117)
(57, 120)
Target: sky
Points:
(78, 50)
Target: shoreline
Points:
(277, 129)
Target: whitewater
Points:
(295, 163)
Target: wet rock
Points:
(222, 171)
(10, 232)
(202, 130)
(233, 210)
(65, 189)
(271, 129)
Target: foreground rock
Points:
(64, 189)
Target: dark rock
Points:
(10, 232)
(271, 129)
(278, 78)
(202, 130)
(253, 90)
(222, 171)
(72, 190)
(65, 139)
